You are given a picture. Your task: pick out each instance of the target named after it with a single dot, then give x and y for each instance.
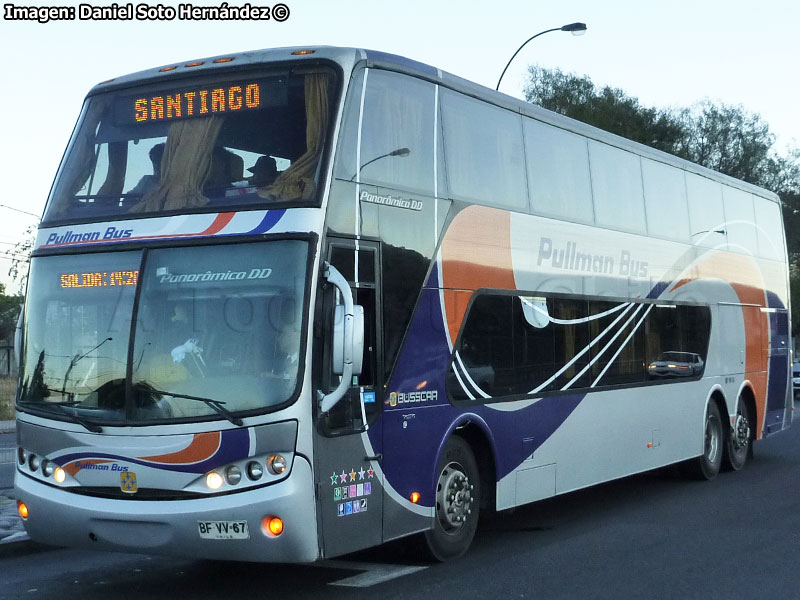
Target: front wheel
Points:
(457, 502)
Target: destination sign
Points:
(98, 279)
(171, 105)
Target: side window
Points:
(676, 341)
(665, 201)
(617, 188)
(558, 172)
(397, 128)
(740, 221)
(706, 216)
(513, 346)
(770, 229)
(483, 152)
(618, 337)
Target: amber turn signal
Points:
(272, 526)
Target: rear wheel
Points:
(738, 446)
(707, 465)
(457, 502)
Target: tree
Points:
(20, 258)
(9, 312)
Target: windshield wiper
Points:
(216, 405)
(63, 408)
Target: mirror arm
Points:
(328, 401)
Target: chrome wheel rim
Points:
(453, 497)
(712, 440)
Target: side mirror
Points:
(348, 340)
(339, 341)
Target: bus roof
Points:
(348, 58)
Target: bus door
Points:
(349, 489)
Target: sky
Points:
(666, 53)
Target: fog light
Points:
(47, 468)
(214, 480)
(22, 509)
(22, 455)
(233, 474)
(33, 462)
(272, 526)
(254, 470)
(59, 475)
(276, 464)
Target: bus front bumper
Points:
(61, 518)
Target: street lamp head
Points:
(575, 28)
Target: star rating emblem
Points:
(361, 473)
(370, 472)
(334, 478)
(352, 475)
(343, 477)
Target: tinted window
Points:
(528, 345)
(706, 216)
(676, 341)
(770, 228)
(209, 142)
(558, 172)
(617, 188)
(665, 201)
(397, 126)
(739, 221)
(484, 152)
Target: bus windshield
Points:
(213, 326)
(202, 144)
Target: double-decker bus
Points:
(292, 303)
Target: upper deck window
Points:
(205, 144)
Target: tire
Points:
(707, 465)
(739, 441)
(457, 502)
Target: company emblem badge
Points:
(393, 399)
(127, 482)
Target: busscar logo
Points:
(402, 398)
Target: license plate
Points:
(223, 530)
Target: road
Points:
(650, 536)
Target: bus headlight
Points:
(276, 464)
(233, 474)
(254, 470)
(33, 462)
(59, 475)
(214, 480)
(22, 455)
(47, 468)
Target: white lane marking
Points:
(374, 573)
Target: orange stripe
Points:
(476, 253)
(744, 277)
(203, 446)
(218, 224)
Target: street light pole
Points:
(574, 28)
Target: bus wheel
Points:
(457, 502)
(707, 465)
(739, 442)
